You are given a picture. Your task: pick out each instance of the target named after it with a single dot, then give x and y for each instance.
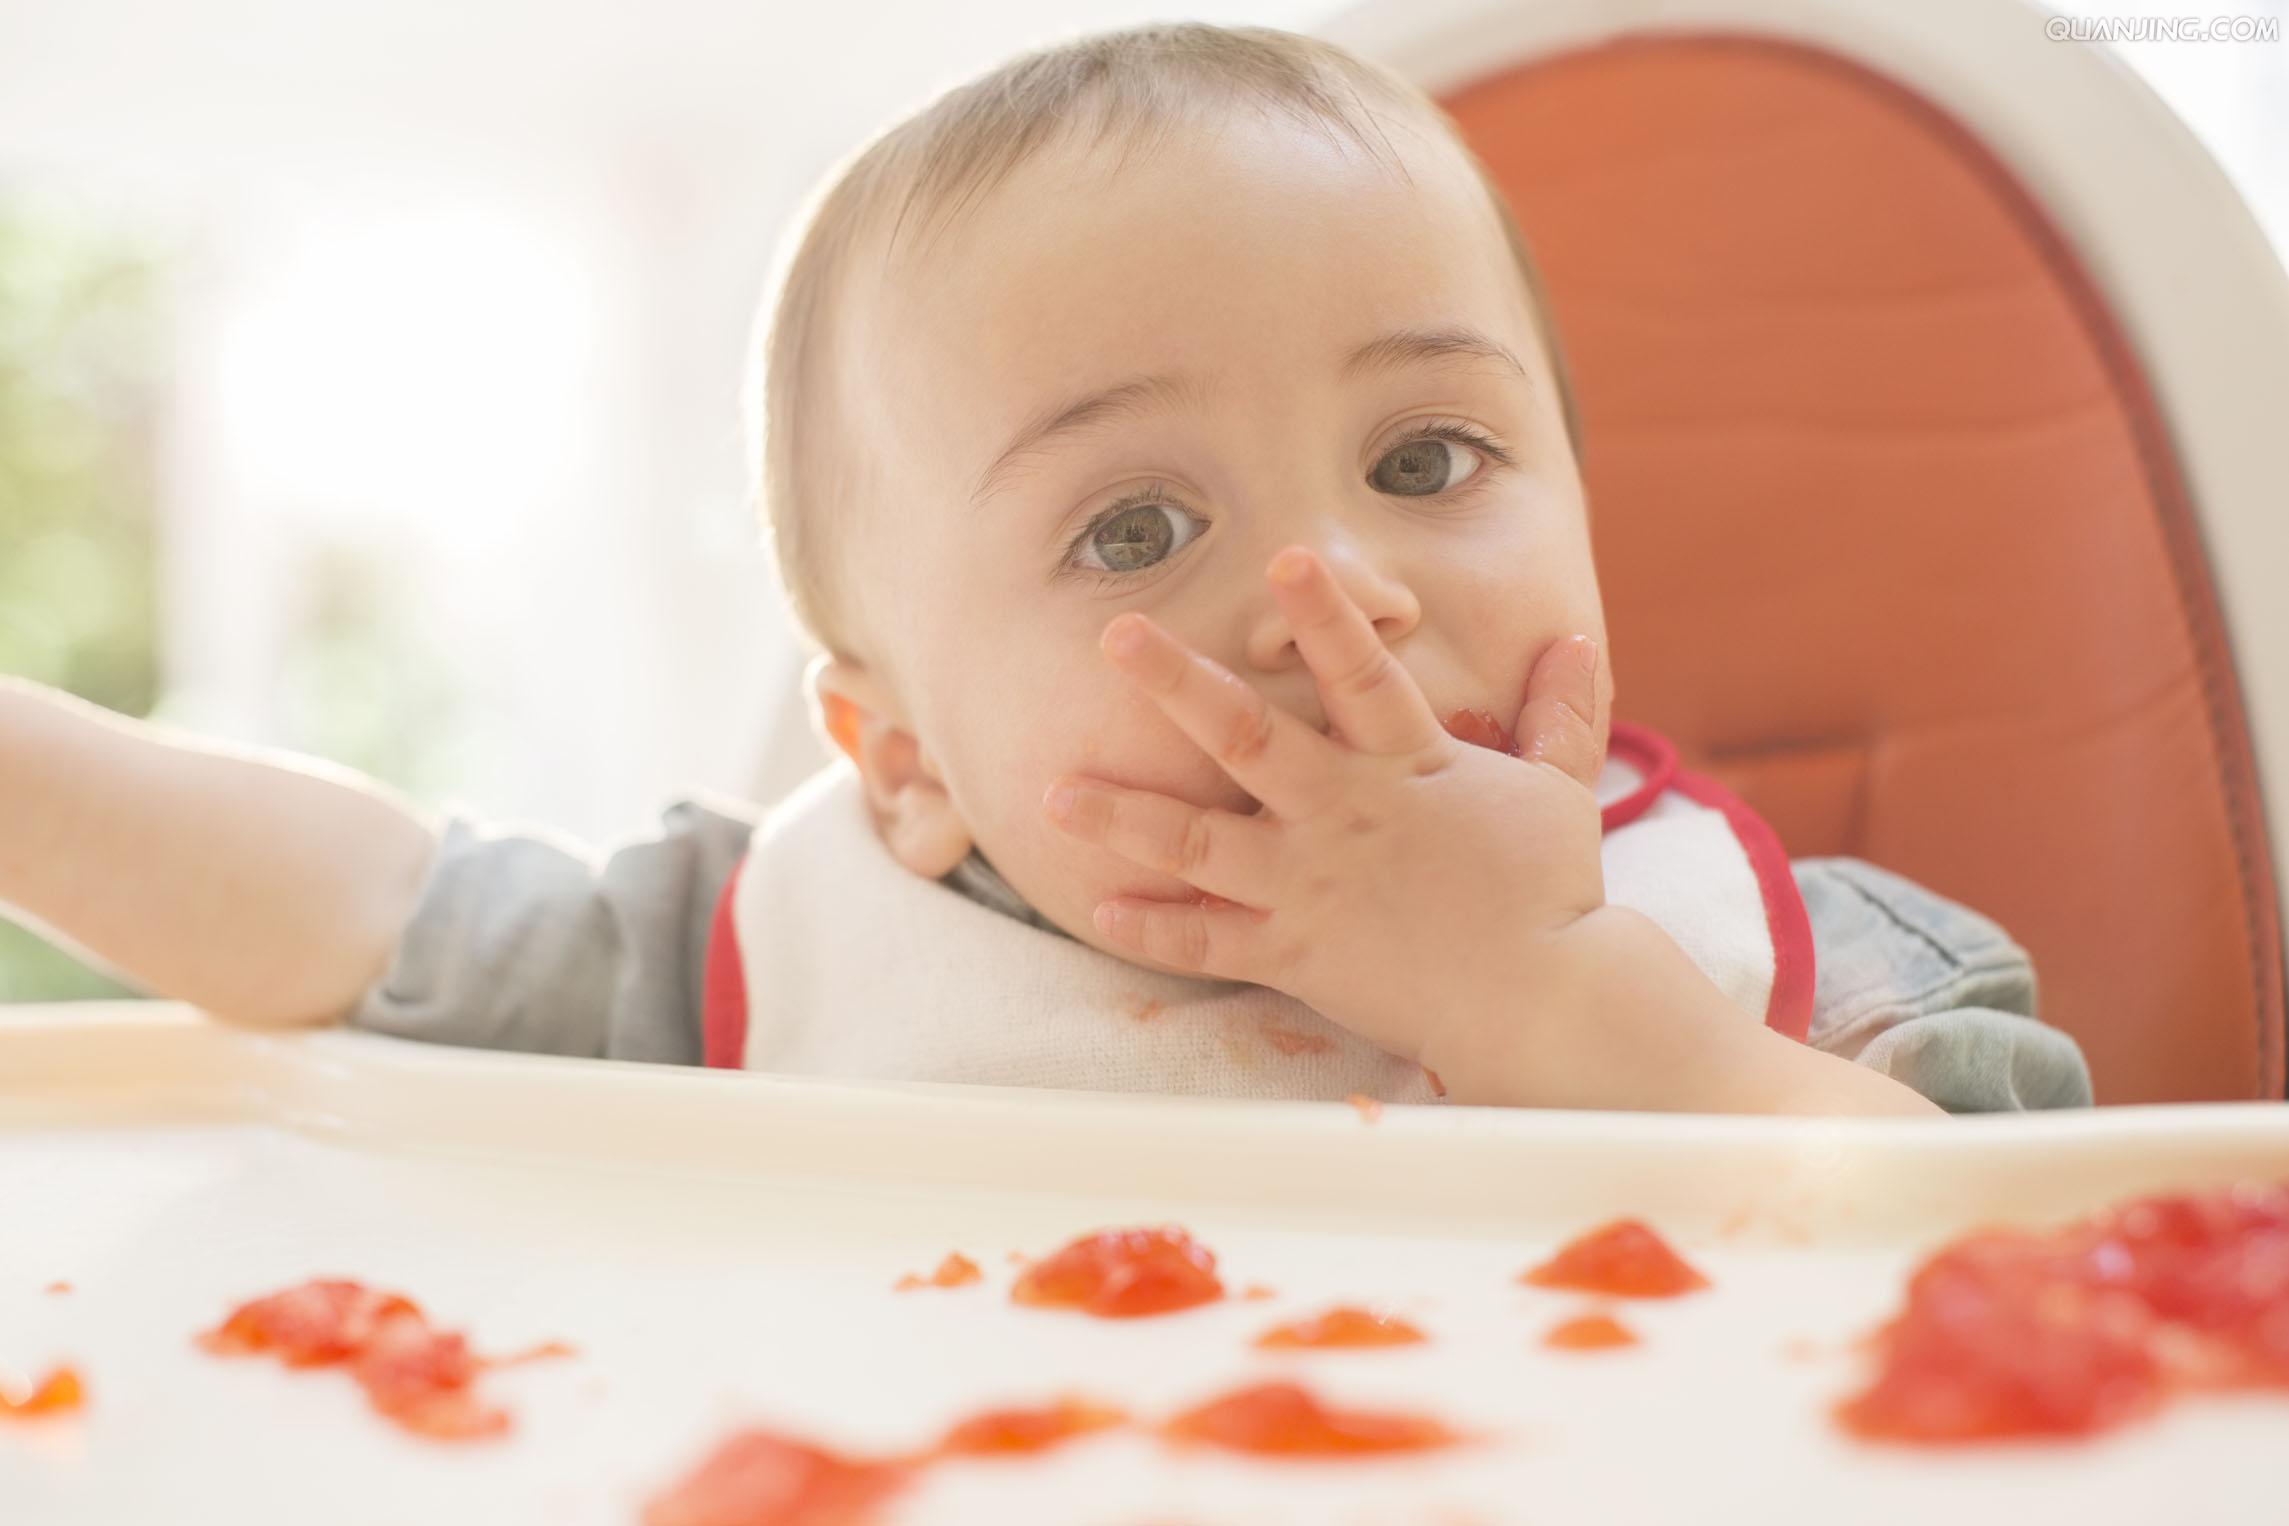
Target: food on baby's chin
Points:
(1480, 729)
(1343, 1326)
(419, 1377)
(1589, 1332)
(1123, 1273)
(1625, 1259)
(957, 1270)
(2077, 1330)
(59, 1393)
(758, 1478)
(1282, 1419)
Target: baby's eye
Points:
(1421, 467)
(1135, 537)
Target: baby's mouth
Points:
(1478, 727)
(1474, 724)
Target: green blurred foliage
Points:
(79, 346)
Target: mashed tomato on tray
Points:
(2079, 1329)
(420, 1377)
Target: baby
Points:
(1168, 454)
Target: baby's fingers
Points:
(1370, 697)
(1559, 725)
(1217, 940)
(1266, 751)
(1222, 853)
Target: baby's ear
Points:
(913, 814)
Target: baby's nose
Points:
(1380, 595)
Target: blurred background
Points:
(369, 372)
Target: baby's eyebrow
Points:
(1408, 347)
(1107, 405)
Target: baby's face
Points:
(1125, 388)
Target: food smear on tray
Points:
(1285, 1420)
(546, 1351)
(2078, 1330)
(1368, 1108)
(1624, 1259)
(1589, 1332)
(54, 1288)
(59, 1393)
(1480, 729)
(418, 1376)
(1003, 1432)
(761, 1478)
(1123, 1274)
(1342, 1326)
(956, 1271)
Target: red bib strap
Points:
(723, 1009)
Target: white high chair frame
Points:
(2198, 290)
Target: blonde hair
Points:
(922, 173)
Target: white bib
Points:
(830, 958)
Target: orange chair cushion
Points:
(1892, 540)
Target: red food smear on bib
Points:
(420, 1377)
(1344, 1326)
(1294, 1041)
(2077, 1330)
(1123, 1273)
(1589, 1332)
(1480, 729)
(757, 1478)
(1000, 1432)
(1283, 1420)
(957, 1270)
(1624, 1258)
(59, 1393)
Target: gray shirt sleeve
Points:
(1931, 993)
(527, 940)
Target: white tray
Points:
(721, 1250)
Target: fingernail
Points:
(1107, 918)
(1587, 650)
(1060, 801)
(1125, 637)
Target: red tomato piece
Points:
(756, 1478)
(322, 1321)
(957, 1270)
(60, 1392)
(1589, 1332)
(1122, 1274)
(1283, 1420)
(1343, 1326)
(1625, 1259)
(1002, 1431)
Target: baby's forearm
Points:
(266, 890)
(1621, 1017)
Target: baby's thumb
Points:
(1559, 724)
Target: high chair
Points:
(1934, 384)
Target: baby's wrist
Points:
(1568, 1021)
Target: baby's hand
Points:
(1396, 879)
